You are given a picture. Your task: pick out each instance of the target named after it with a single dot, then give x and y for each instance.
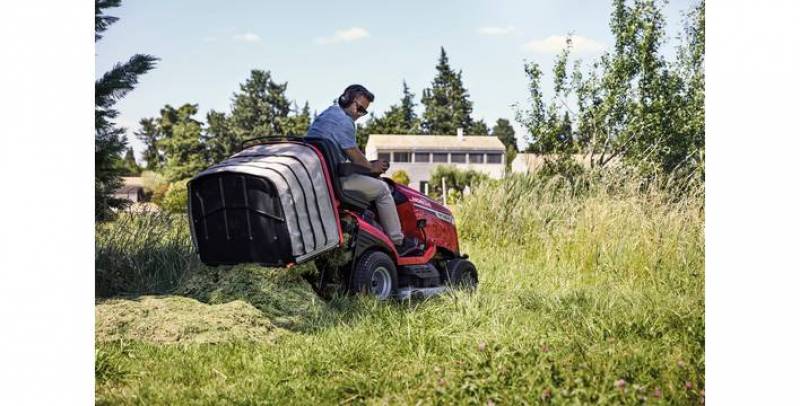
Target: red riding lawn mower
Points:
(279, 203)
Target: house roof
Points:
(132, 181)
(435, 142)
(129, 184)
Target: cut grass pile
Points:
(590, 297)
(176, 319)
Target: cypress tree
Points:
(410, 120)
(447, 104)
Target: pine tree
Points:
(390, 123)
(260, 108)
(220, 141)
(184, 151)
(128, 165)
(398, 119)
(505, 132)
(149, 134)
(478, 128)
(411, 122)
(298, 123)
(447, 104)
(109, 139)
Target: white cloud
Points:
(247, 37)
(350, 34)
(555, 43)
(496, 30)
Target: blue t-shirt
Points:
(335, 125)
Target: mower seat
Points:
(353, 199)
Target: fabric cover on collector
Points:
(246, 186)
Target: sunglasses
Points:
(361, 110)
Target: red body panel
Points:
(440, 230)
(426, 256)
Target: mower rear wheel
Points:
(461, 274)
(375, 274)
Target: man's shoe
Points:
(410, 245)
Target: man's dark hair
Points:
(353, 91)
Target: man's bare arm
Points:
(358, 158)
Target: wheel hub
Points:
(381, 283)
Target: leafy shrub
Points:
(155, 186)
(563, 165)
(400, 176)
(175, 199)
(455, 179)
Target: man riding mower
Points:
(289, 200)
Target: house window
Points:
(494, 158)
(439, 157)
(422, 157)
(402, 157)
(476, 158)
(385, 156)
(458, 158)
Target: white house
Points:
(132, 190)
(419, 155)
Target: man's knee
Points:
(383, 189)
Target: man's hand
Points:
(379, 166)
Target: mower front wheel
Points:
(375, 274)
(461, 274)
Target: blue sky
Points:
(208, 47)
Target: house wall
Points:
(526, 163)
(421, 171)
(529, 163)
(134, 195)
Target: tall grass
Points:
(143, 253)
(601, 222)
(589, 294)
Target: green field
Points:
(590, 294)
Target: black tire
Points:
(461, 274)
(374, 274)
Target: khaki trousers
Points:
(377, 190)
